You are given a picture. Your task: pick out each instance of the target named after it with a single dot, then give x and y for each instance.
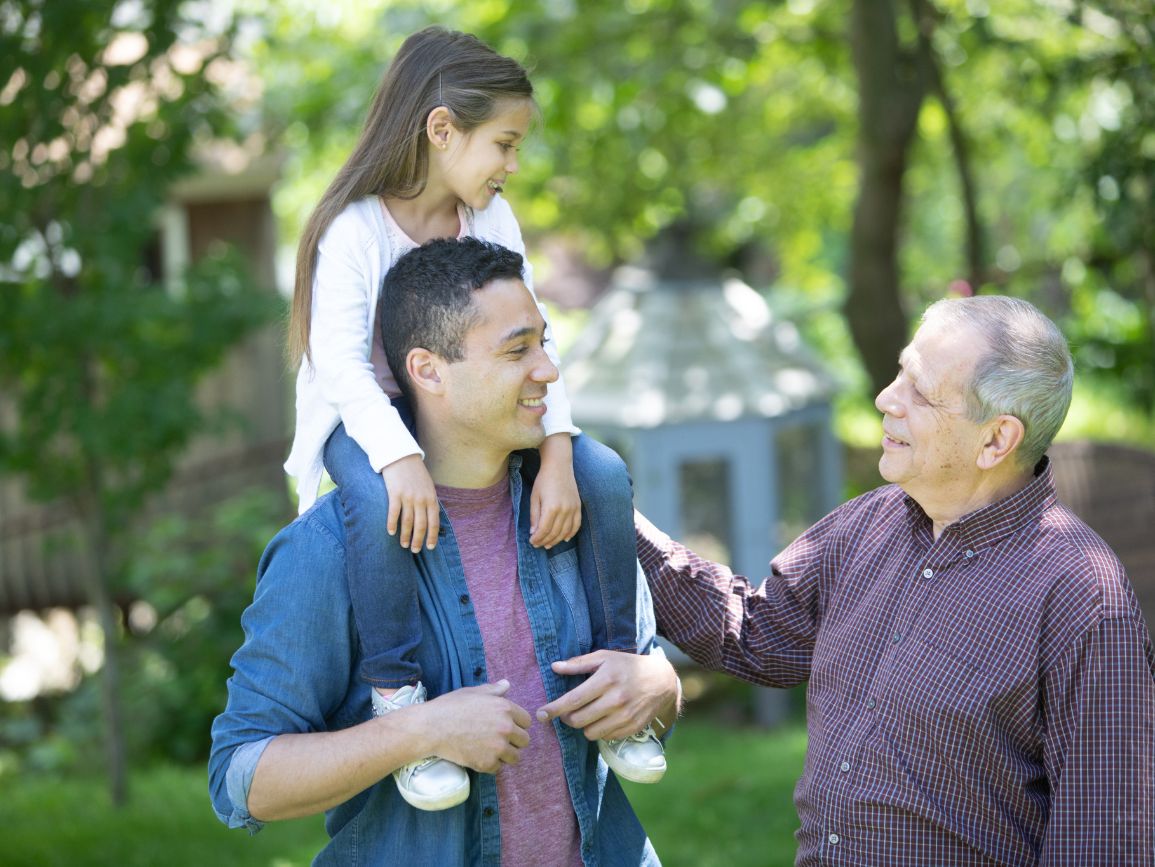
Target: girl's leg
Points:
(607, 547)
(382, 575)
(608, 562)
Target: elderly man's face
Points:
(929, 446)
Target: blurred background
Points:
(735, 211)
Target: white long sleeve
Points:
(338, 384)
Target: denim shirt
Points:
(297, 671)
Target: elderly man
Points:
(981, 686)
(297, 736)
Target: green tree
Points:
(101, 106)
(875, 154)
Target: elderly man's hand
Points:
(624, 693)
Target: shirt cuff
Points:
(238, 780)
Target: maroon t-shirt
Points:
(533, 800)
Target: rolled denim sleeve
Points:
(238, 779)
(285, 680)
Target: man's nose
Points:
(545, 370)
(887, 401)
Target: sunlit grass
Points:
(168, 820)
(726, 800)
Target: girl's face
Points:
(475, 165)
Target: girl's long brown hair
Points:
(434, 67)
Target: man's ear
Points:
(439, 127)
(424, 369)
(1003, 436)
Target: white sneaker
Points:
(639, 758)
(431, 783)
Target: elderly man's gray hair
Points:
(1027, 372)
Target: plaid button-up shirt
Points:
(987, 697)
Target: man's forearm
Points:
(303, 774)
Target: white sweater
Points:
(339, 383)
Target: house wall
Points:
(41, 562)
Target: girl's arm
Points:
(344, 300)
(344, 304)
(555, 510)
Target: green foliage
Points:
(107, 375)
(739, 119)
(190, 579)
(102, 109)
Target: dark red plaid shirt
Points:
(984, 698)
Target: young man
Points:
(981, 681)
(297, 736)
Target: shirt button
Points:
(844, 767)
(487, 812)
(927, 573)
(897, 637)
(870, 703)
(477, 671)
(833, 838)
(464, 598)
(969, 553)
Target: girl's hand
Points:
(555, 510)
(413, 508)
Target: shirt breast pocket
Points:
(938, 697)
(566, 578)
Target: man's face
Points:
(496, 393)
(929, 446)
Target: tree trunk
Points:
(891, 86)
(99, 583)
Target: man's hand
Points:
(476, 727)
(555, 510)
(305, 773)
(624, 693)
(413, 509)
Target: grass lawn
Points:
(724, 801)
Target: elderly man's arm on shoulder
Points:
(761, 633)
(1099, 702)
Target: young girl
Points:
(439, 144)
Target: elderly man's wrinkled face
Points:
(929, 446)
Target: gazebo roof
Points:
(663, 352)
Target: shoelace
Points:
(640, 736)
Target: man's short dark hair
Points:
(427, 298)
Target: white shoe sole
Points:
(437, 802)
(630, 772)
